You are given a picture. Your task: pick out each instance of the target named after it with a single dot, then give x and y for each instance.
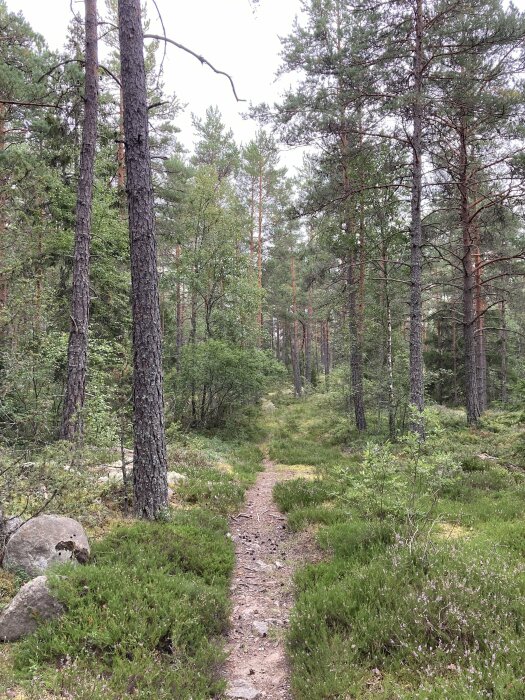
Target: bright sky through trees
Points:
(231, 34)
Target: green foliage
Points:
(299, 518)
(421, 593)
(144, 618)
(300, 493)
(217, 379)
(428, 624)
(402, 486)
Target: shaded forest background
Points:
(400, 239)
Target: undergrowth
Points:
(143, 619)
(421, 592)
(146, 617)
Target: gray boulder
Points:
(46, 540)
(32, 605)
(11, 525)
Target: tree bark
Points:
(481, 355)
(72, 418)
(308, 341)
(4, 286)
(504, 396)
(356, 355)
(179, 311)
(454, 363)
(416, 303)
(150, 465)
(469, 321)
(259, 251)
(295, 354)
(388, 346)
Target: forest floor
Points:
(325, 565)
(267, 555)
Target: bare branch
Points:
(202, 60)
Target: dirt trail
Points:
(266, 556)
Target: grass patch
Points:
(143, 619)
(300, 518)
(217, 472)
(300, 493)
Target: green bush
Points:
(217, 379)
(473, 464)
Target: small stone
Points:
(261, 628)
(262, 565)
(279, 565)
(241, 690)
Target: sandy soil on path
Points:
(266, 557)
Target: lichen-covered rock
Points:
(11, 525)
(32, 605)
(46, 540)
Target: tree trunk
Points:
(454, 363)
(356, 355)
(72, 419)
(469, 320)
(389, 350)
(504, 396)
(416, 303)
(150, 466)
(325, 348)
(179, 311)
(259, 252)
(308, 341)
(4, 287)
(295, 354)
(481, 355)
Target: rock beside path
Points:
(46, 540)
(241, 690)
(32, 605)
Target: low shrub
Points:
(411, 625)
(300, 493)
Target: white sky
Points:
(229, 33)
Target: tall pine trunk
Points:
(389, 346)
(416, 304)
(469, 284)
(504, 395)
(296, 369)
(259, 252)
(72, 419)
(150, 465)
(4, 286)
(308, 340)
(179, 311)
(481, 354)
(356, 353)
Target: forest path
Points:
(267, 554)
